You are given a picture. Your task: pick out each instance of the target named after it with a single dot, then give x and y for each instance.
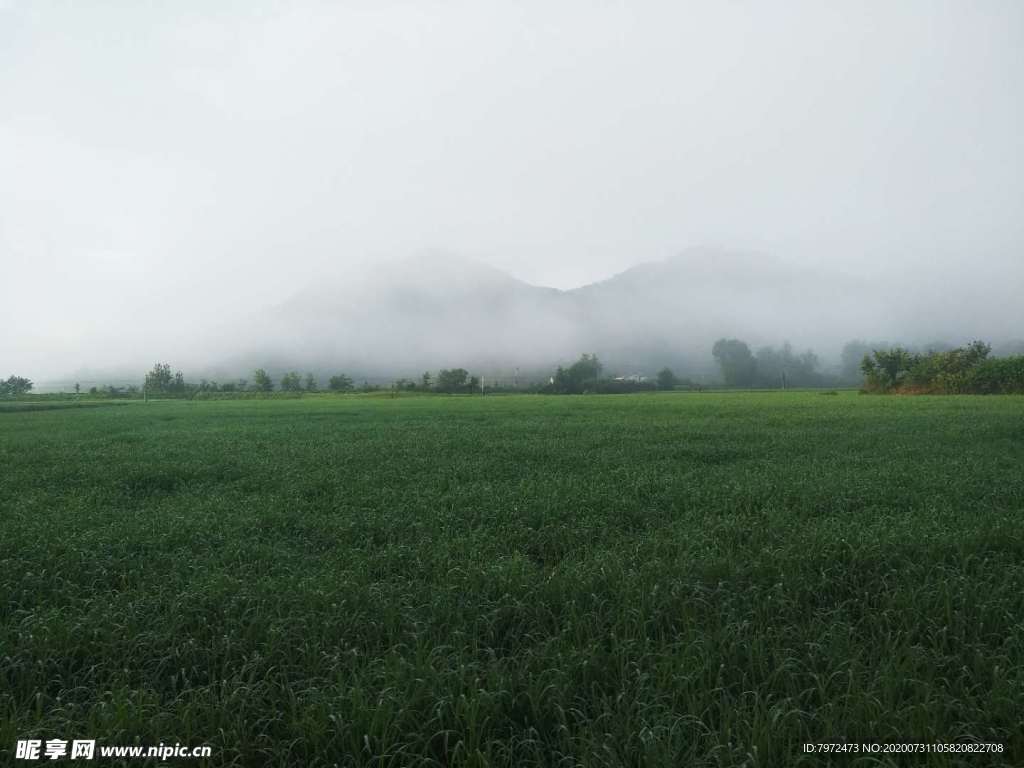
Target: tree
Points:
(850, 359)
(340, 383)
(784, 368)
(291, 382)
(453, 380)
(887, 368)
(666, 379)
(261, 382)
(962, 370)
(311, 385)
(579, 377)
(78, 388)
(159, 379)
(162, 381)
(473, 385)
(15, 385)
(736, 361)
(425, 380)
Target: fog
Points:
(389, 186)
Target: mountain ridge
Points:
(438, 310)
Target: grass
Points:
(677, 579)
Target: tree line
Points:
(585, 377)
(162, 381)
(768, 368)
(879, 368)
(939, 368)
(959, 371)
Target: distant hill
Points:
(402, 317)
(438, 311)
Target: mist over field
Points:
(436, 310)
(388, 188)
(481, 383)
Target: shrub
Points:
(998, 376)
(963, 370)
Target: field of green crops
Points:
(681, 579)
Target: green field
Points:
(684, 579)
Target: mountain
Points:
(429, 312)
(402, 317)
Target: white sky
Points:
(177, 162)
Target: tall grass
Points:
(696, 579)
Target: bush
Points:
(998, 376)
(963, 370)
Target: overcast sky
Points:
(166, 162)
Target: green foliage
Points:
(160, 381)
(311, 385)
(998, 376)
(15, 385)
(261, 381)
(886, 369)
(291, 382)
(660, 580)
(340, 383)
(451, 381)
(738, 365)
(770, 368)
(582, 376)
(961, 370)
(666, 379)
(784, 368)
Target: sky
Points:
(166, 167)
